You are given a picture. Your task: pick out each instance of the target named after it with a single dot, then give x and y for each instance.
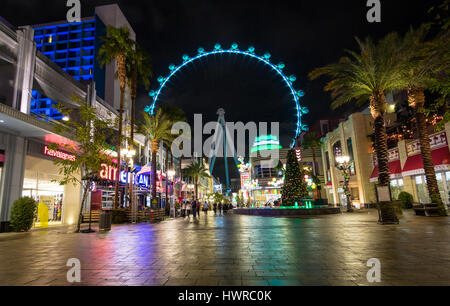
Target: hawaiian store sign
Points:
(436, 141)
(58, 154)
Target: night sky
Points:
(302, 34)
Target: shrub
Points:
(23, 213)
(406, 199)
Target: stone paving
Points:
(236, 250)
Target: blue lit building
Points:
(74, 48)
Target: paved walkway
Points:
(236, 250)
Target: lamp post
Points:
(343, 164)
(171, 176)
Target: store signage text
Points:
(110, 173)
(58, 154)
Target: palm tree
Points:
(197, 170)
(138, 69)
(156, 128)
(425, 65)
(174, 114)
(311, 141)
(117, 46)
(368, 76)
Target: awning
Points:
(414, 164)
(395, 171)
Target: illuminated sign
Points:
(245, 180)
(110, 173)
(298, 153)
(267, 142)
(59, 154)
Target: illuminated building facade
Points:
(351, 138)
(74, 48)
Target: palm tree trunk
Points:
(416, 99)
(119, 144)
(130, 191)
(167, 181)
(314, 160)
(381, 151)
(316, 191)
(196, 187)
(378, 109)
(153, 175)
(378, 104)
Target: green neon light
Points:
(266, 137)
(266, 147)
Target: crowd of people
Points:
(196, 206)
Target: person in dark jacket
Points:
(215, 208)
(194, 208)
(220, 208)
(198, 208)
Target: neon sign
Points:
(268, 142)
(110, 173)
(59, 154)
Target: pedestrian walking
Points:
(220, 208)
(194, 208)
(188, 208)
(199, 204)
(205, 208)
(183, 209)
(215, 208)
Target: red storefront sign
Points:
(59, 154)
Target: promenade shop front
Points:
(41, 177)
(407, 172)
(102, 193)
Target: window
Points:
(337, 149)
(350, 148)
(418, 180)
(328, 159)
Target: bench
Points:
(147, 215)
(427, 210)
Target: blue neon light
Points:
(234, 50)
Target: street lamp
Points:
(171, 175)
(130, 154)
(343, 164)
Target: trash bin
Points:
(105, 220)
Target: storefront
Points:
(413, 168)
(395, 172)
(102, 193)
(266, 195)
(41, 182)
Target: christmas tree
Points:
(294, 187)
